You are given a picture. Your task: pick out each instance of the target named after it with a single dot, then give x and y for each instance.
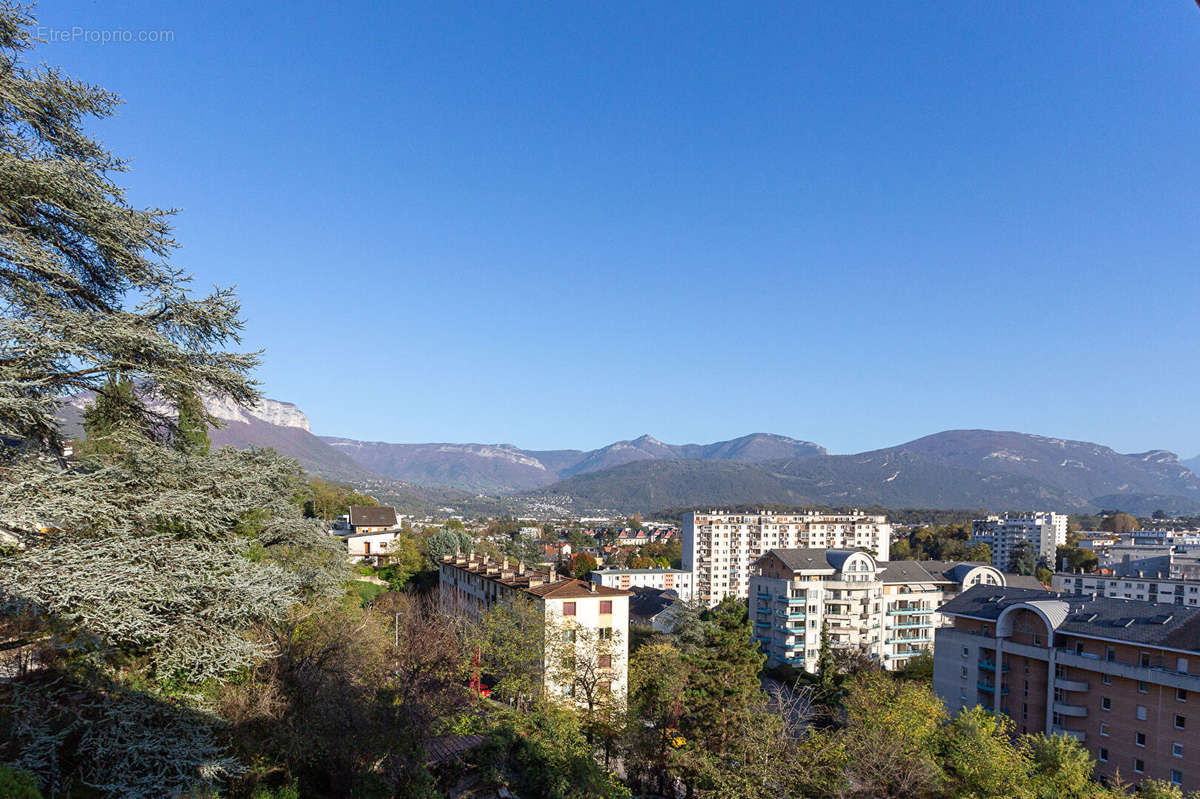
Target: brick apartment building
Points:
(1121, 676)
(475, 583)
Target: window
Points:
(1110, 654)
(964, 672)
(568, 636)
(604, 661)
(1181, 663)
(1176, 777)
(966, 652)
(1176, 749)
(1105, 703)
(568, 608)
(1106, 679)
(1144, 659)
(605, 685)
(1104, 729)
(1139, 765)
(1143, 688)
(1141, 712)
(605, 607)
(1180, 723)
(1139, 738)
(1102, 755)
(1180, 694)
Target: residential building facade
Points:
(1042, 531)
(1118, 675)
(1131, 586)
(719, 547)
(567, 606)
(886, 611)
(676, 580)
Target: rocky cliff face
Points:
(281, 414)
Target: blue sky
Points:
(558, 225)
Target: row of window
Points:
(606, 607)
(1180, 720)
(1139, 766)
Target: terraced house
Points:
(1120, 675)
(887, 611)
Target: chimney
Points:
(520, 567)
(592, 586)
(553, 574)
(504, 564)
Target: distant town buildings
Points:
(887, 611)
(677, 580)
(566, 606)
(719, 547)
(1118, 675)
(1042, 531)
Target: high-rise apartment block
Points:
(1042, 531)
(1118, 675)
(886, 611)
(718, 547)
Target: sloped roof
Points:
(905, 571)
(646, 603)
(812, 558)
(372, 516)
(1149, 623)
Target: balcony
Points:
(910, 625)
(1078, 735)
(905, 611)
(1074, 711)
(1070, 685)
(1159, 676)
(991, 689)
(921, 640)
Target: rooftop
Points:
(1150, 623)
(372, 516)
(547, 585)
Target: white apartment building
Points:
(676, 580)
(886, 610)
(719, 547)
(1042, 530)
(568, 606)
(1147, 588)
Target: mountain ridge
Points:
(505, 468)
(999, 470)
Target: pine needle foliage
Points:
(147, 563)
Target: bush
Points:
(543, 755)
(16, 784)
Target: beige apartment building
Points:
(719, 547)
(567, 606)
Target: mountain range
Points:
(977, 469)
(503, 468)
